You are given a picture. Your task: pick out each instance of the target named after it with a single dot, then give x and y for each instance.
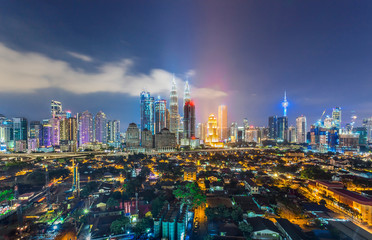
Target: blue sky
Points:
(99, 55)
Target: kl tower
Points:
(285, 103)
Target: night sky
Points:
(99, 55)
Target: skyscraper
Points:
(55, 131)
(367, 123)
(273, 127)
(285, 104)
(113, 131)
(189, 119)
(147, 111)
(222, 122)
(36, 131)
(336, 115)
(212, 135)
(20, 129)
(47, 135)
(186, 95)
(234, 132)
(301, 129)
(160, 114)
(100, 123)
(85, 128)
(173, 106)
(201, 131)
(56, 108)
(282, 128)
(133, 136)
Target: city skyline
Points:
(281, 56)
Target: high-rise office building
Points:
(186, 94)
(55, 131)
(222, 122)
(133, 136)
(173, 106)
(292, 137)
(85, 128)
(35, 129)
(47, 135)
(189, 119)
(367, 123)
(301, 129)
(147, 111)
(6, 130)
(20, 129)
(212, 134)
(234, 132)
(336, 115)
(273, 127)
(100, 124)
(56, 108)
(160, 109)
(201, 131)
(282, 129)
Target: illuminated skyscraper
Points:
(56, 108)
(160, 114)
(85, 128)
(100, 123)
(336, 115)
(222, 122)
(282, 129)
(20, 129)
(47, 135)
(113, 131)
(212, 135)
(173, 106)
(189, 119)
(273, 127)
(367, 123)
(186, 95)
(147, 111)
(285, 104)
(55, 132)
(234, 132)
(301, 129)
(36, 132)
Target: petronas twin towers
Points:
(155, 116)
(175, 119)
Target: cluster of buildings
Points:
(163, 128)
(62, 132)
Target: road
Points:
(199, 215)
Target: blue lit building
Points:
(282, 130)
(160, 110)
(147, 111)
(273, 124)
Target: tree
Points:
(111, 203)
(190, 194)
(237, 214)
(156, 206)
(143, 225)
(315, 172)
(119, 226)
(246, 229)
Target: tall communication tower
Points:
(285, 103)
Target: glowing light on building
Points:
(285, 104)
(212, 132)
